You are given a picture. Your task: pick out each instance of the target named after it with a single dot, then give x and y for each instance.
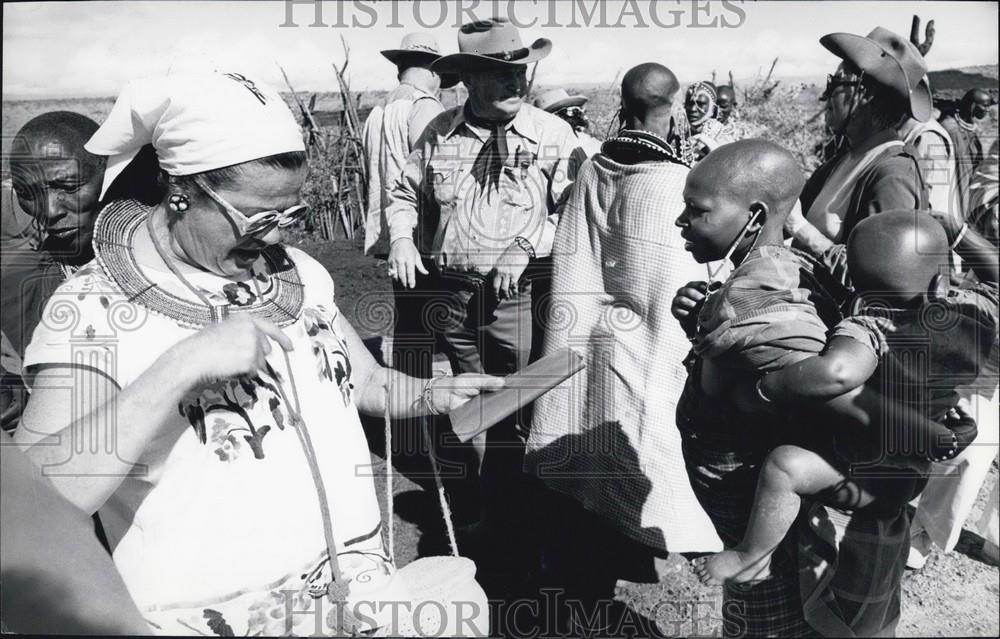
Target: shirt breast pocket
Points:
(445, 183)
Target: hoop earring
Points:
(178, 202)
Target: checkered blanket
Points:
(607, 436)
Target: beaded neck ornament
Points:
(633, 147)
(114, 234)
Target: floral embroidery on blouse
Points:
(333, 361)
(237, 398)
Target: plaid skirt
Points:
(836, 574)
(724, 482)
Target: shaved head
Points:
(974, 104)
(896, 253)
(755, 169)
(738, 196)
(648, 92)
(70, 130)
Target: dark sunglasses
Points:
(571, 111)
(258, 224)
(833, 82)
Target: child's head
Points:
(896, 256)
(747, 180)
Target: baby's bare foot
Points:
(731, 566)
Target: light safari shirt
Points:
(388, 135)
(464, 222)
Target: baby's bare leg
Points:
(787, 473)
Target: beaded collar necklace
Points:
(632, 147)
(968, 126)
(114, 235)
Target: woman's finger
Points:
(270, 329)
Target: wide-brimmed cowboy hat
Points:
(491, 44)
(419, 49)
(555, 99)
(891, 60)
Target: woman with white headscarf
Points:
(197, 385)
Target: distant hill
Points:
(955, 82)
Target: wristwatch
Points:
(525, 245)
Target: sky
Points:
(85, 49)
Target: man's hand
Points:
(687, 303)
(508, 270)
(404, 261)
(925, 46)
(237, 346)
(448, 393)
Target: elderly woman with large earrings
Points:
(197, 385)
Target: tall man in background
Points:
(605, 441)
(479, 199)
(390, 134)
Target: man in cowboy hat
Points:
(479, 199)
(880, 83)
(570, 108)
(393, 127)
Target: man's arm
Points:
(560, 174)
(405, 197)
(424, 110)
(975, 250)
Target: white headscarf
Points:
(196, 123)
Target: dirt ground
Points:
(953, 595)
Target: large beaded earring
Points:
(178, 202)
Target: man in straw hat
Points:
(479, 198)
(393, 128)
(570, 108)
(390, 135)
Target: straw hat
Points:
(890, 60)
(491, 44)
(418, 49)
(555, 99)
